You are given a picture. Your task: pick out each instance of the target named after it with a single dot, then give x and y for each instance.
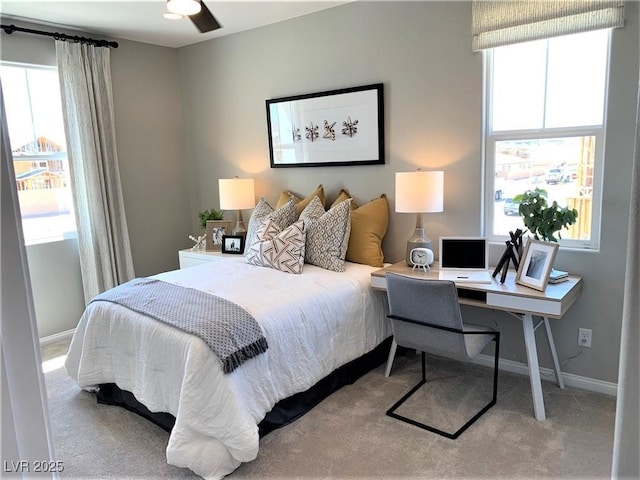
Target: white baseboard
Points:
(570, 380)
(56, 337)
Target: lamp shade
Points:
(184, 7)
(419, 192)
(236, 193)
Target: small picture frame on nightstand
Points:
(233, 244)
(216, 229)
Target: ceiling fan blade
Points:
(204, 20)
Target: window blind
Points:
(504, 22)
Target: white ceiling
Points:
(142, 20)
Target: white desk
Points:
(521, 302)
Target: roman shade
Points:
(498, 23)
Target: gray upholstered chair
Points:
(425, 316)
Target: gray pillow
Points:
(327, 234)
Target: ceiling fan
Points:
(197, 12)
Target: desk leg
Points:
(554, 354)
(534, 368)
(392, 354)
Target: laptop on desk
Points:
(464, 260)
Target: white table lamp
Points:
(419, 192)
(237, 194)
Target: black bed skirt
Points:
(284, 412)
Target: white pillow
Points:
(327, 234)
(282, 250)
(283, 217)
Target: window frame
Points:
(490, 138)
(44, 157)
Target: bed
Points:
(314, 323)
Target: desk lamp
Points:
(419, 192)
(237, 194)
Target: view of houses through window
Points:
(38, 146)
(545, 129)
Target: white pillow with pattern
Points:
(283, 217)
(327, 234)
(279, 249)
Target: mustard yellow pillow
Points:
(342, 196)
(368, 227)
(301, 203)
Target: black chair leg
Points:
(457, 433)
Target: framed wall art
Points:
(216, 229)
(336, 127)
(536, 264)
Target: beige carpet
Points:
(349, 436)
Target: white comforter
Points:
(314, 323)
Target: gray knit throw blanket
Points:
(228, 329)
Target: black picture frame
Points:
(331, 128)
(233, 244)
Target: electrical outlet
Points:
(584, 337)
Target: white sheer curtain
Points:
(103, 237)
(626, 459)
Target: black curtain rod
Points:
(61, 36)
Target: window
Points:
(36, 132)
(545, 128)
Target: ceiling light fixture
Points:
(184, 7)
(172, 16)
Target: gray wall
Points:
(367, 42)
(421, 51)
(149, 132)
(153, 170)
(56, 285)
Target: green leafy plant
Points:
(210, 215)
(543, 220)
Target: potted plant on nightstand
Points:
(212, 221)
(212, 214)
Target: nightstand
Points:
(190, 258)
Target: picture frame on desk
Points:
(536, 264)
